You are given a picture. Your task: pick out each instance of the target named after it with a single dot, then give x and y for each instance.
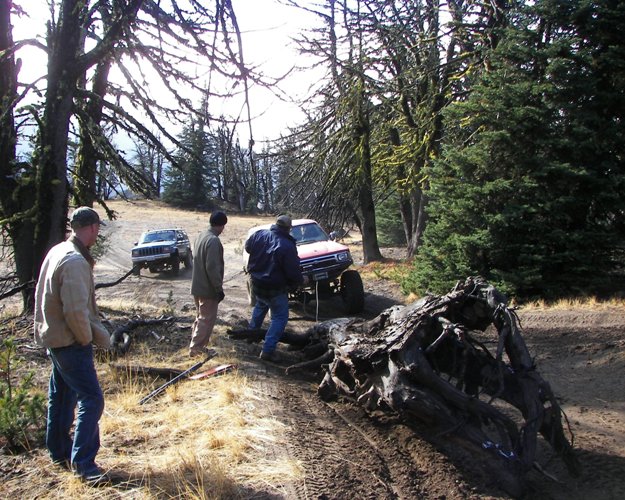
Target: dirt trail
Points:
(346, 453)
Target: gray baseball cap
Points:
(284, 221)
(85, 216)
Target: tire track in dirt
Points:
(338, 460)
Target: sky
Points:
(266, 27)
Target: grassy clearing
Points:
(206, 439)
(201, 439)
(389, 270)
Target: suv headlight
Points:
(135, 253)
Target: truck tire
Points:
(175, 265)
(136, 270)
(120, 342)
(352, 292)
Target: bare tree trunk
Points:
(418, 219)
(8, 97)
(85, 192)
(16, 198)
(370, 246)
(51, 200)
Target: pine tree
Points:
(527, 193)
(188, 185)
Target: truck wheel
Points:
(188, 260)
(175, 265)
(251, 297)
(136, 270)
(120, 342)
(352, 291)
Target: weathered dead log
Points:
(425, 362)
(252, 335)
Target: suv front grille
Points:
(144, 252)
(327, 263)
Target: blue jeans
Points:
(74, 381)
(279, 307)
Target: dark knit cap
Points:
(218, 218)
(85, 216)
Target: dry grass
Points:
(204, 439)
(211, 438)
(392, 270)
(200, 439)
(580, 303)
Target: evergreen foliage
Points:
(390, 227)
(22, 411)
(190, 184)
(528, 190)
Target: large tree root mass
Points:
(429, 362)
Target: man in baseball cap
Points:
(274, 267)
(85, 216)
(284, 221)
(67, 323)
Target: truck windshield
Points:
(308, 233)
(158, 236)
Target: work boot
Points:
(272, 356)
(201, 351)
(95, 478)
(62, 463)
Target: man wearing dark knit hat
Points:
(207, 282)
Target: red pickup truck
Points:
(325, 262)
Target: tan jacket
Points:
(65, 306)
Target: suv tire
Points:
(175, 265)
(188, 260)
(352, 291)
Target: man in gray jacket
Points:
(207, 282)
(67, 323)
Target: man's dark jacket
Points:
(273, 262)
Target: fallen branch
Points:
(106, 285)
(17, 289)
(167, 373)
(159, 390)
